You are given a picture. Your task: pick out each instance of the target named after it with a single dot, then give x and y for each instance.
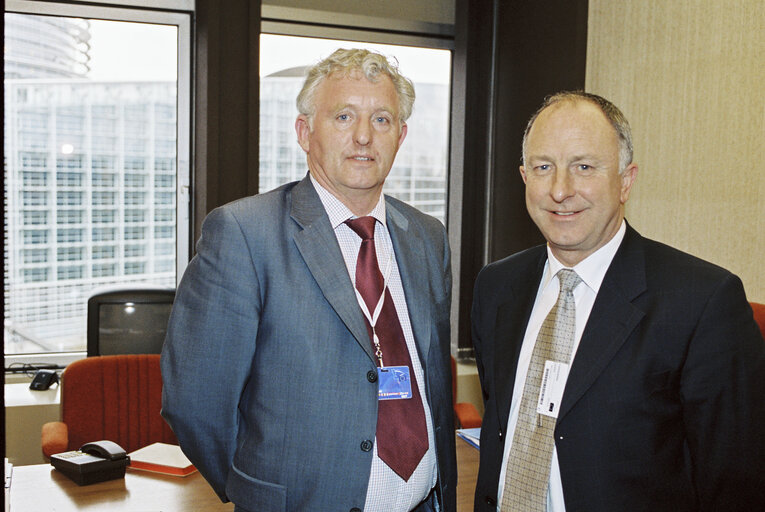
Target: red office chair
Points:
(465, 414)
(117, 398)
(759, 315)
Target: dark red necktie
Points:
(402, 436)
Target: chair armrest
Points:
(55, 438)
(467, 415)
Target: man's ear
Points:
(401, 137)
(628, 178)
(523, 173)
(303, 130)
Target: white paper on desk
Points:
(471, 435)
(162, 458)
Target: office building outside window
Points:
(91, 177)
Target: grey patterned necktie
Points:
(528, 466)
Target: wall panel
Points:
(689, 75)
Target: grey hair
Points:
(612, 113)
(345, 62)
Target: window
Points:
(34, 198)
(64, 236)
(104, 269)
(103, 198)
(35, 218)
(70, 217)
(101, 179)
(104, 234)
(34, 179)
(135, 250)
(70, 253)
(103, 252)
(135, 198)
(135, 267)
(69, 198)
(69, 179)
(138, 216)
(104, 216)
(86, 119)
(34, 256)
(419, 173)
(135, 233)
(135, 180)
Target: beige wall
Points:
(690, 76)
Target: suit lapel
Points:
(612, 319)
(510, 327)
(318, 246)
(414, 277)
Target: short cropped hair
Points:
(346, 61)
(612, 113)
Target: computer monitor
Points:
(128, 321)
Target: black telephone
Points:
(93, 462)
(43, 380)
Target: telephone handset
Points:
(104, 449)
(93, 462)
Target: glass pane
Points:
(418, 175)
(90, 169)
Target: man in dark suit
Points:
(306, 365)
(654, 397)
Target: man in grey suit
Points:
(277, 355)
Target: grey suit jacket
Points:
(267, 365)
(664, 406)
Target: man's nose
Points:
(362, 134)
(562, 186)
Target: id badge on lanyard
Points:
(394, 382)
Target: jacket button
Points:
(366, 445)
(372, 376)
(355, 509)
(490, 501)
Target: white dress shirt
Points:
(591, 270)
(387, 492)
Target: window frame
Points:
(166, 12)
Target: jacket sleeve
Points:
(723, 395)
(210, 345)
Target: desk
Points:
(40, 487)
(467, 475)
(25, 413)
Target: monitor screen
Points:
(132, 327)
(128, 320)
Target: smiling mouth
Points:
(564, 214)
(361, 158)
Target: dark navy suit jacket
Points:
(664, 407)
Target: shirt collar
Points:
(338, 213)
(593, 268)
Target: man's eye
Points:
(381, 119)
(343, 117)
(585, 167)
(543, 167)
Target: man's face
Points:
(354, 137)
(574, 192)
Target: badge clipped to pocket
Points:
(553, 384)
(395, 383)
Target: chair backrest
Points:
(759, 315)
(116, 398)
